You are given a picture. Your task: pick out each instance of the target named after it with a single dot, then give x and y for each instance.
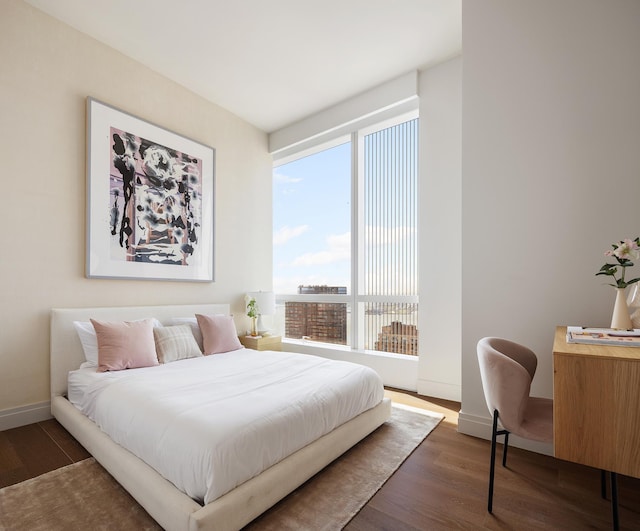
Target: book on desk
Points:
(603, 336)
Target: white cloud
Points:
(339, 249)
(286, 233)
(281, 178)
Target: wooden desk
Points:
(596, 407)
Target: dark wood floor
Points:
(442, 485)
(31, 450)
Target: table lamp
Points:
(266, 305)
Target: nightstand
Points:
(262, 342)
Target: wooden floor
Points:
(442, 485)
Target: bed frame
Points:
(171, 508)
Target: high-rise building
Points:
(399, 338)
(318, 321)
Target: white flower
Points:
(627, 250)
(624, 253)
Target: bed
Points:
(169, 506)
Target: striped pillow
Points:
(175, 343)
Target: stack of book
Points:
(603, 336)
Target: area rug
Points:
(84, 496)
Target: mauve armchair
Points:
(507, 370)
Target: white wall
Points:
(551, 171)
(440, 206)
(48, 70)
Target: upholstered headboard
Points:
(66, 351)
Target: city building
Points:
(317, 321)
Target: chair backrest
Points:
(507, 369)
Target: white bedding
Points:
(208, 424)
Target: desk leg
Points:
(614, 501)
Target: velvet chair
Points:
(507, 370)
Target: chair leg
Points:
(614, 501)
(492, 466)
(506, 447)
(603, 484)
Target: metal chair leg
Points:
(614, 501)
(492, 466)
(506, 447)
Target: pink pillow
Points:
(125, 345)
(218, 333)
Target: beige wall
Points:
(551, 171)
(48, 70)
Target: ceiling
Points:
(272, 62)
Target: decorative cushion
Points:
(175, 343)
(193, 323)
(218, 333)
(125, 345)
(87, 335)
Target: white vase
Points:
(633, 303)
(620, 319)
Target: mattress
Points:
(208, 424)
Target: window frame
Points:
(354, 300)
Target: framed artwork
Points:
(150, 200)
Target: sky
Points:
(311, 247)
(312, 216)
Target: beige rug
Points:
(84, 496)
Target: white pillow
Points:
(89, 340)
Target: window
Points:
(345, 241)
(389, 254)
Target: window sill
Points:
(331, 350)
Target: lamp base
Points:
(262, 330)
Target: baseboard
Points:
(23, 415)
(440, 390)
(481, 427)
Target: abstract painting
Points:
(150, 204)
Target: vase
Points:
(254, 331)
(620, 320)
(633, 303)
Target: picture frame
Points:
(150, 200)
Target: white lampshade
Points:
(265, 305)
(265, 301)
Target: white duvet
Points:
(209, 424)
